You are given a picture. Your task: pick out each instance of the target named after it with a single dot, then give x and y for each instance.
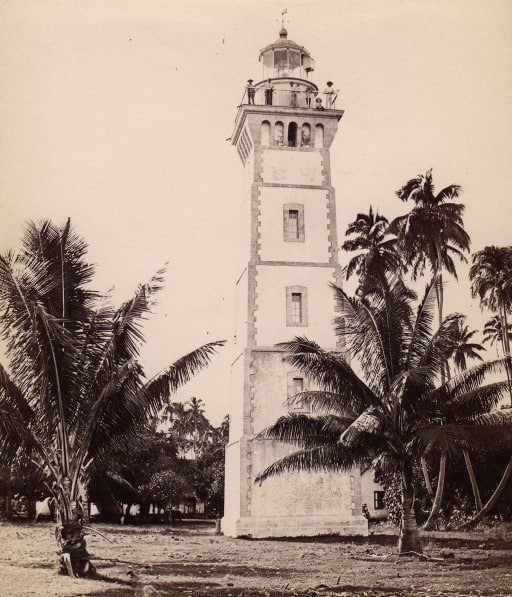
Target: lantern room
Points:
(285, 58)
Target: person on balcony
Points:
(269, 91)
(293, 96)
(310, 94)
(318, 104)
(251, 91)
(330, 95)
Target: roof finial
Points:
(283, 32)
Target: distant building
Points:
(288, 258)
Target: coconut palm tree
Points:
(491, 281)
(380, 400)
(197, 423)
(376, 253)
(74, 387)
(432, 232)
(465, 349)
(493, 332)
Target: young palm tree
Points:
(376, 250)
(432, 232)
(395, 408)
(74, 388)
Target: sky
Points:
(117, 113)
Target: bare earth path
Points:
(190, 560)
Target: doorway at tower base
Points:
(294, 526)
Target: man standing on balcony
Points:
(269, 91)
(330, 97)
(293, 96)
(251, 91)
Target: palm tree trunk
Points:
(436, 506)
(86, 505)
(409, 537)
(492, 500)
(426, 476)
(70, 535)
(472, 478)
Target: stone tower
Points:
(288, 257)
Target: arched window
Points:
(279, 134)
(319, 136)
(305, 135)
(292, 134)
(265, 133)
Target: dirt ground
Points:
(189, 559)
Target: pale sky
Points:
(116, 113)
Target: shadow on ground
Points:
(216, 590)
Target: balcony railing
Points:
(290, 98)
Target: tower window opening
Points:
(296, 307)
(297, 388)
(292, 134)
(293, 214)
(279, 134)
(265, 133)
(293, 222)
(305, 135)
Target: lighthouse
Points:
(283, 133)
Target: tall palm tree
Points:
(376, 253)
(433, 231)
(491, 281)
(395, 408)
(197, 424)
(493, 332)
(74, 387)
(465, 349)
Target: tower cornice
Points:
(245, 109)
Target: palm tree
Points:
(197, 424)
(491, 281)
(376, 250)
(493, 332)
(74, 388)
(393, 410)
(465, 349)
(432, 232)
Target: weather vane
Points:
(285, 11)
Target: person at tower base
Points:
(251, 91)
(269, 91)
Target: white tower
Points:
(288, 259)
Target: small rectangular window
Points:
(296, 306)
(295, 386)
(378, 500)
(293, 215)
(293, 222)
